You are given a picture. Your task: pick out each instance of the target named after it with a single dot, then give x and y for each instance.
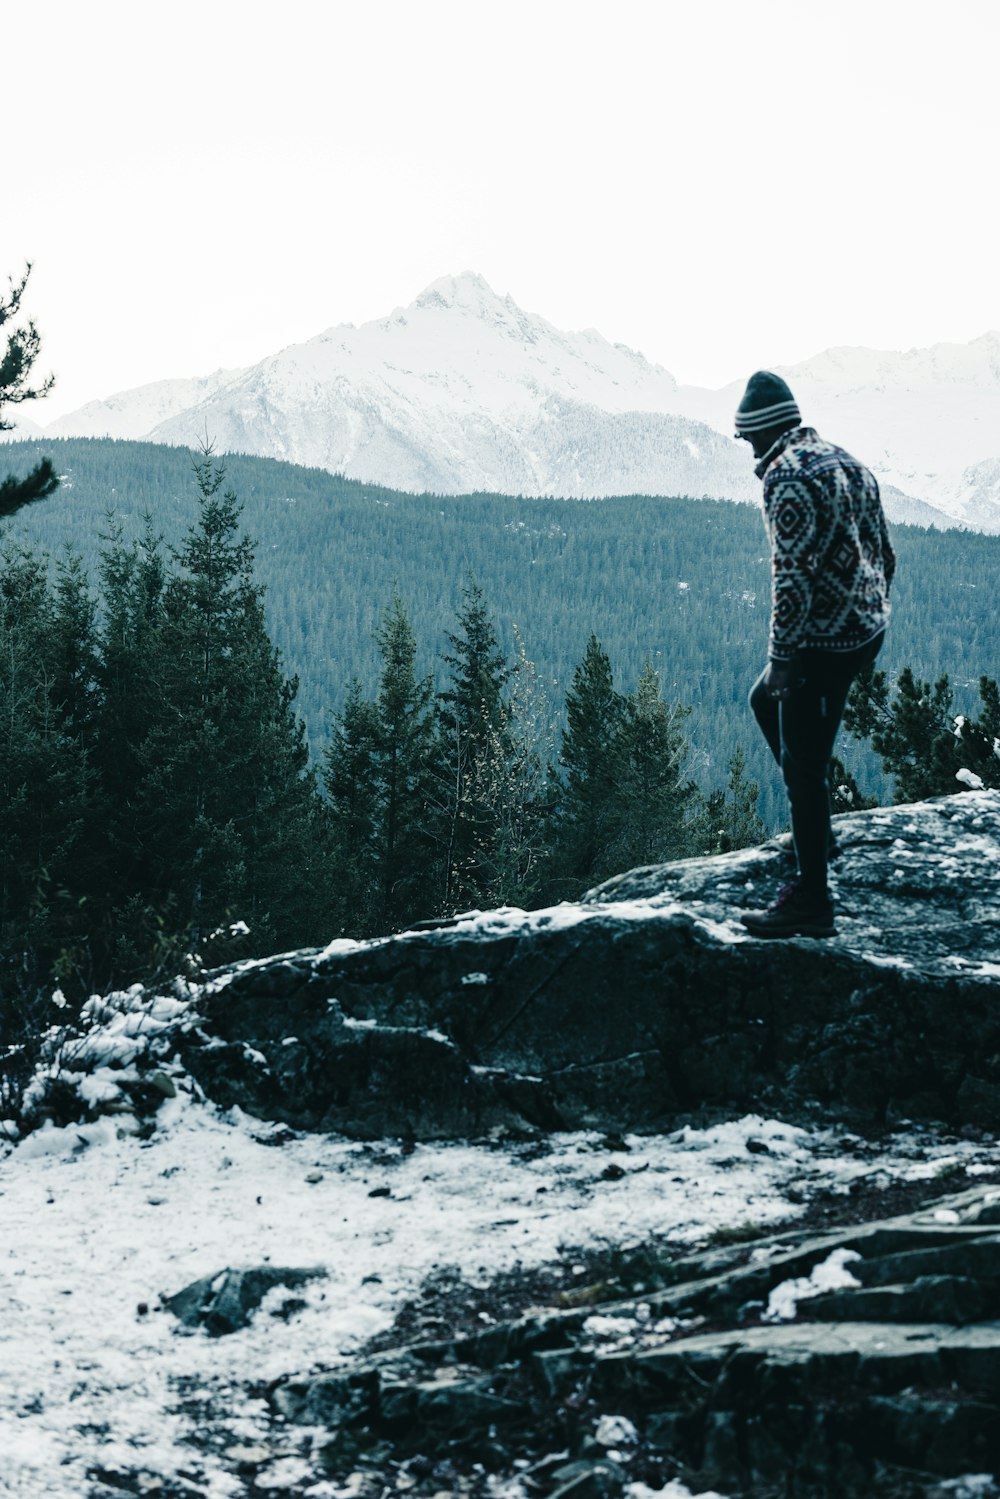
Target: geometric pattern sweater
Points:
(831, 559)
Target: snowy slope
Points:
(22, 429)
(135, 413)
(927, 420)
(463, 390)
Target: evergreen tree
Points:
(133, 920)
(730, 819)
(924, 745)
(845, 793)
(380, 776)
(74, 651)
(408, 752)
(591, 755)
(16, 362)
(45, 781)
(473, 717)
(351, 780)
(514, 784)
(653, 799)
(129, 672)
(224, 803)
(626, 799)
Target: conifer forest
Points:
(249, 706)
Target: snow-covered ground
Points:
(97, 1222)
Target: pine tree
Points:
(845, 793)
(626, 799)
(730, 819)
(133, 577)
(473, 715)
(351, 780)
(591, 755)
(380, 776)
(408, 754)
(74, 650)
(653, 796)
(514, 784)
(16, 362)
(46, 783)
(924, 745)
(133, 918)
(981, 736)
(225, 799)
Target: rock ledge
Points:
(646, 1001)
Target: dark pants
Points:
(800, 732)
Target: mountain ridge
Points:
(462, 390)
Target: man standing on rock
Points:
(831, 567)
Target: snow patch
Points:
(830, 1274)
(98, 1223)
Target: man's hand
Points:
(779, 680)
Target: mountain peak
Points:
(462, 389)
(470, 291)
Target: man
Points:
(831, 568)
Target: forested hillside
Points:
(683, 582)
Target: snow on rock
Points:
(884, 1382)
(612, 1431)
(830, 1274)
(673, 1490)
(456, 1031)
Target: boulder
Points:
(645, 1001)
(225, 1302)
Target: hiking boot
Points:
(795, 913)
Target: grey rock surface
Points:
(646, 1001)
(896, 1397)
(224, 1302)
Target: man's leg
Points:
(810, 718)
(766, 710)
(809, 722)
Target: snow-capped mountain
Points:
(137, 413)
(462, 390)
(927, 420)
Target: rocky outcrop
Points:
(735, 1369)
(647, 1001)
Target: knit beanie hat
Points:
(767, 402)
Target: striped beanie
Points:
(767, 402)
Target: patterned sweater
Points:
(831, 558)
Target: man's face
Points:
(762, 441)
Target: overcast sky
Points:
(721, 184)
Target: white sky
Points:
(721, 184)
